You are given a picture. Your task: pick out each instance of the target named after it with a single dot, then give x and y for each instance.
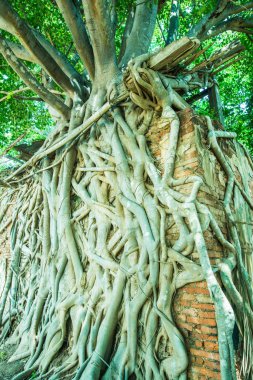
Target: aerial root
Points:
(102, 274)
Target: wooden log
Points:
(228, 64)
(167, 58)
(174, 53)
(229, 50)
(228, 58)
(194, 56)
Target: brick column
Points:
(193, 308)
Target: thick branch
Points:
(5, 25)
(34, 46)
(21, 53)
(237, 24)
(59, 58)
(141, 34)
(76, 26)
(99, 20)
(30, 81)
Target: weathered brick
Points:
(206, 314)
(202, 306)
(208, 330)
(192, 288)
(191, 311)
(199, 335)
(206, 372)
(189, 297)
(181, 318)
(205, 354)
(198, 343)
(203, 298)
(211, 346)
(203, 321)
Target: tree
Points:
(89, 254)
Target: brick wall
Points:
(193, 308)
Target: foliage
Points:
(3, 355)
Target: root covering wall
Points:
(193, 308)
(194, 311)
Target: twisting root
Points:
(88, 238)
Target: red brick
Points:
(207, 372)
(197, 290)
(198, 343)
(206, 314)
(184, 303)
(198, 360)
(193, 307)
(205, 354)
(212, 364)
(197, 335)
(211, 346)
(209, 330)
(203, 321)
(189, 287)
(203, 306)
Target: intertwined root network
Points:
(92, 275)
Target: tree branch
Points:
(9, 94)
(218, 20)
(141, 34)
(233, 9)
(13, 94)
(20, 52)
(34, 46)
(59, 58)
(127, 31)
(12, 145)
(23, 54)
(74, 21)
(239, 24)
(6, 26)
(174, 22)
(99, 15)
(31, 81)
